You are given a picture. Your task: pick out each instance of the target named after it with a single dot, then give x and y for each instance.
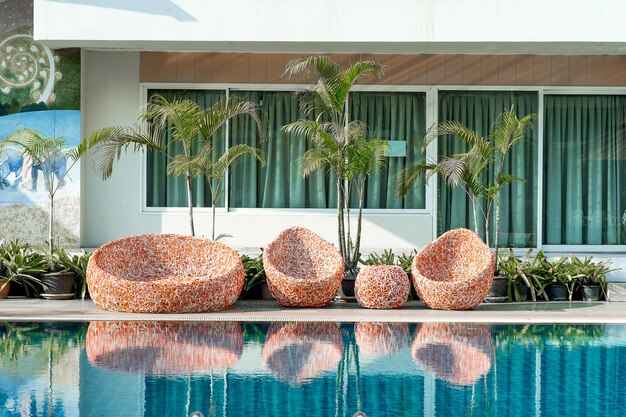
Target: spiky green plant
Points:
(340, 145)
(49, 153)
(469, 170)
(187, 124)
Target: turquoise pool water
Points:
(311, 369)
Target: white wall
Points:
(461, 26)
(113, 208)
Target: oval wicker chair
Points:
(164, 273)
(454, 272)
(302, 269)
(164, 348)
(300, 352)
(456, 353)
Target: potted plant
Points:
(20, 265)
(592, 277)
(58, 280)
(471, 171)
(189, 126)
(340, 145)
(255, 285)
(519, 286)
(78, 265)
(405, 261)
(561, 278)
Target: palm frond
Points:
(111, 141)
(221, 112)
(452, 128)
(231, 155)
(319, 66)
(315, 160)
(407, 177)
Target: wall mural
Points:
(39, 89)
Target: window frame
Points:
(428, 210)
(432, 103)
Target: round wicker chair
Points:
(300, 352)
(454, 272)
(164, 348)
(164, 274)
(456, 353)
(302, 269)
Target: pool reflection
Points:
(460, 354)
(313, 369)
(164, 348)
(299, 352)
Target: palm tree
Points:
(469, 170)
(49, 154)
(340, 145)
(187, 124)
(213, 171)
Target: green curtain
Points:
(167, 191)
(393, 117)
(585, 170)
(518, 210)
(280, 183)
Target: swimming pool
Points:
(310, 369)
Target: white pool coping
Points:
(578, 312)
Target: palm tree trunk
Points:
(475, 215)
(497, 237)
(190, 203)
(51, 224)
(213, 223)
(340, 219)
(357, 242)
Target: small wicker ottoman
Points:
(382, 286)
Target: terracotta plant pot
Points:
(4, 293)
(58, 282)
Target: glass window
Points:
(279, 184)
(518, 210)
(164, 190)
(400, 118)
(584, 170)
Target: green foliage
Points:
(538, 272)
(255, 272)
(48, 152)
(339, 144)
(78, 265)
(386, 258)
(67, 89)
(470, 170)
(187, 125)
(542, 336)
(404, 261)
(21, 265)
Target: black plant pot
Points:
(592, 292)
(524, 292)
(253, 293)
(499, 287)
(58, 283)
(346, 292)
(557, 292)
(265, 292)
